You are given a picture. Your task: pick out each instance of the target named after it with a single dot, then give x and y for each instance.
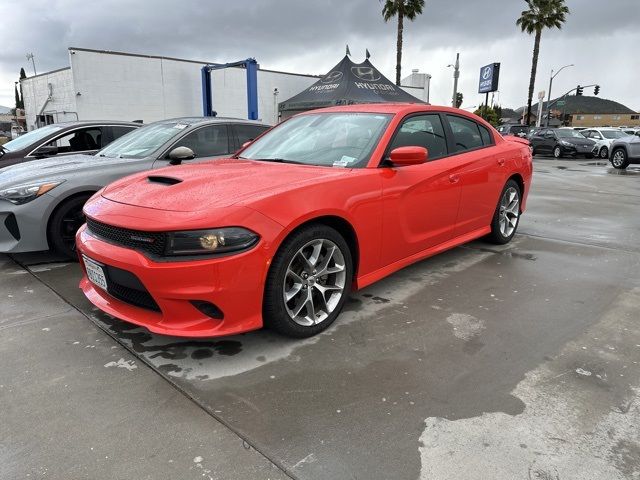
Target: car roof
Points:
(393, 108)
(209, 120)
(85, 123)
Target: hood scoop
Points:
(163, 180)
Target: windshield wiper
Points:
(278, 160)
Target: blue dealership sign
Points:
(489, 76)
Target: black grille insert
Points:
(125, 286)
(151, 242)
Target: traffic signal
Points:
(596, 90)
(579, 90)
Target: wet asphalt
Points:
(518, 361)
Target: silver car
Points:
(625, 151)
(41, 201)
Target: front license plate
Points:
(95, 273)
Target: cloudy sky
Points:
(600, 38)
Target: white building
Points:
(104, 85)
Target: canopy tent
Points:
(347, 83)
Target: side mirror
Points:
(46, 151)
(179, 154)
(404, 156)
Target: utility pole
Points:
(456, 75)
(550, 85)
(33, 62)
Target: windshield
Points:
(613, 133)
(327, 139)
(519, 129)
(569, 133)
(33, 136)
(142, 141)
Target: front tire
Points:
(507, 215)
(63, 225)
(557, 152)
(619, 159)
(308, 282)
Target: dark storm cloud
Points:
(304, 36)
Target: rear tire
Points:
(63, 225)
(619, 159)
(308, 282)
(507, 215)
(604, 153)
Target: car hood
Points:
(53, 168)
(214, 184)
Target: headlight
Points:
(25, 193)
(565, 143)
(203, 242)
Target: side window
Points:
(246, 132)
(207, 141)
(422, 131)
(80, 140)
(487, 139)
(118, 131)
(466, 133)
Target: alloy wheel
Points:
(557, 152)
(618, 158)
(604, 152)
(71, 222)
(509, 211)
(314, 282)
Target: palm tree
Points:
(401, 8)
(541, 14)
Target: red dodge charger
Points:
(327, 202)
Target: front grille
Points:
(125, 286)
(137, 298)
(151, 242)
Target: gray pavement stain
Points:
(352, 402)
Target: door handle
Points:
(501, 162)
(454, 178)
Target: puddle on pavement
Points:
(615, 171)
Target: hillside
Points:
(586, 104)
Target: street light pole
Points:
(456, 75)
(33, 62)
(550, 85)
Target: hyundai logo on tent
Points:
(489, 76)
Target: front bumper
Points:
(23, 228)
(234, 284)
(576, 150)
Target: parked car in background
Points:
(62, 139)
(625, 151)
(631, 130)
(603, 136)
(560, 142)
(514, 129)
(279, 234)
(41, 201)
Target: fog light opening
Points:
(208, 308)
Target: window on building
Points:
(616, 117)
(422, 131)
(635, 117)
(597, 117)
(466, 133)
(579, 117)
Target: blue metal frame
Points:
(251, 66)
